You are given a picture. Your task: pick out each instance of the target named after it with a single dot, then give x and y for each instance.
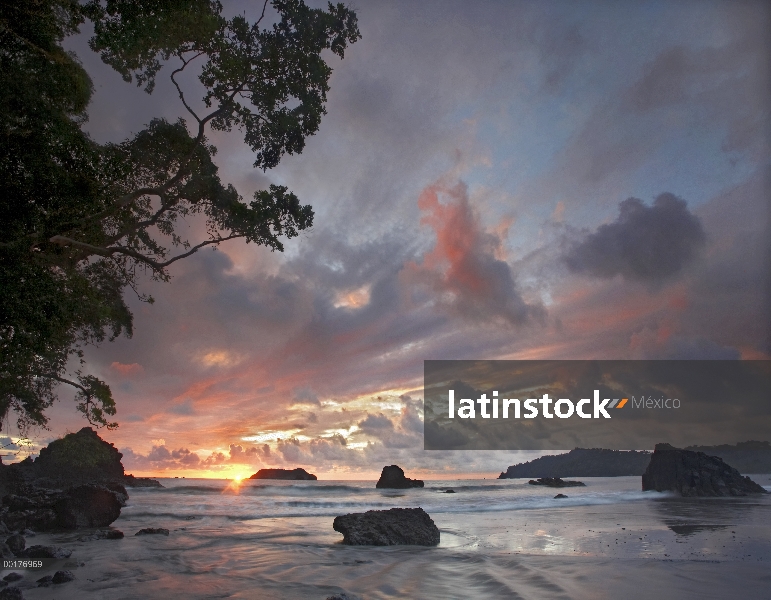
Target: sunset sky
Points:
(492, 180)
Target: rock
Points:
(87, 506)
(46, 552)
(28, 533)
(396, 526)
(560, 496)
(3, 529)
(449, 491)
(393, 477)
(119, 490)
(343, 596)
(141, 482)
(294, 474)
(13, 577)
(105, 534)
(11, 593)
(694, 474)
(16, 543)
(45, 581)
(6, 552)
(556, 482)
(63, 577)
(80, 457)
(153, 531)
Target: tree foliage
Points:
(82, 220)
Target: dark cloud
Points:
(376, 422)
(645, 243)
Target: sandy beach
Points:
(498, 540)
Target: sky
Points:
(493, 180)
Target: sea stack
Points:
(285, 474)
(694, 474)
(393, 477)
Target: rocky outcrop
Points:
(397, 526)
(393, 477)
(42, 509)
(153, 531)
(286, 474)
(745, 457)
(582, 462)
(556, 482)
(140, 482)
(87, 506)
(694, 474)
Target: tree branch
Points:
(60, 240)
(176, 85)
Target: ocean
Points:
(499, 539)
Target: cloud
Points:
(462, 270)
(305, 395)
(645, 243)
(376, 422)
(127, 370)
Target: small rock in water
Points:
(46, 552)
(13, 577)
(449, 491)
(5, 551)
(45, 581)
(560, 496)
(16, 543)
(62, 577)
(152, 531)
(342, 596)
(396, 526)
(556, 482)
(103, 534)
(11, 593)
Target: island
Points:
(285, 474)
(582, 462)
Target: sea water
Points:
(499, 539)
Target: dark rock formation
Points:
(558, 496)
(81, 456)
(410, 526)
(77, 481)
(286, 474)
(63, 577)
(103, 534)
(582, 462)
(45, 552)
(6, 552)
(745, 457)
(556, 482)
(13, 576)
(137, 482)
(694, 474)
(449, 491)
(343, 596)
(11, 593)
(16, 543)
(393, 477)
(152, 531)
(87, 506)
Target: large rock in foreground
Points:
(393, 477)
(694, 474)
(286, 474)
(397, 526)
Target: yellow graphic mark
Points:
(621, 404)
